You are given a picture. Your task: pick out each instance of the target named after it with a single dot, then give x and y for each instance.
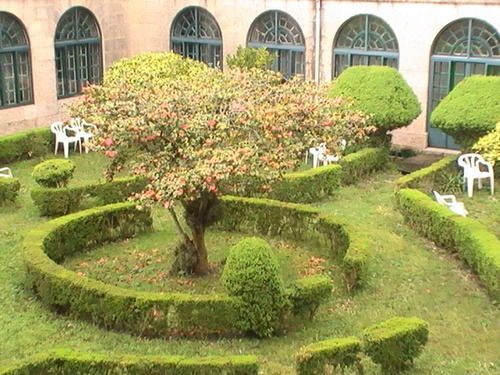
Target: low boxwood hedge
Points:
(142, 313)
(54, 173)
(25, 145)
(62, 201)
(338, 353)
(9, 189)
(467, 237)
(395, 343)
(307, 294)
(359, 164)
(64, 362)
(428, 179)
(300, 223)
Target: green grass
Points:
(408, 276)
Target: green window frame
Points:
(280, 34)
(196, 34)
(464, 47)
(78, 52)
(364, 40)
(16, 84)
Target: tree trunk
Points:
(201, 267)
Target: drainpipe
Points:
(317, 40)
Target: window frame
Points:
(76, 44)
(16, 51)
(365, 52)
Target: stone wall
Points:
(134, 26)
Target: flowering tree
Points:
(196, 132)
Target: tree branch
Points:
(178, 224)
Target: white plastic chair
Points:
(450, 201)
(59, 129)
(471, 163)
(316, 153)
(6, 172)
(81, 128)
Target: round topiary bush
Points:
(54, 173)
(470, 110)
(383, 93)
(252, 274)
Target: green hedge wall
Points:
(338, 352)
(395, 343)
(25, 145)
(300, 222)
(67, 362)
(427, 179)
(359, 164)
(9, 189)
(62, 201)
(146, 314)
(467, 237)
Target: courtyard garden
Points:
(225, 253)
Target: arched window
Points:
(281, 35)
(78, 52)
(15, 65)
(364, 40)
(196, 34)
(464, 47)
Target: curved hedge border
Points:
(300, 222)
(468, 237)
(62, 201)
(60, 362)
(25, 145)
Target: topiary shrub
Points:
(383, 93)
(470, 110)
(252, 274)
(25, 145)
(9, 188)
(395, 343)
(54, 173)
(338, 353)
(248, 58)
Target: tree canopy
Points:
(197, 132)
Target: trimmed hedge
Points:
(395, 343)
(427, 179)
(252, 273)
(62, 362)
(470, 110)
(468, 237)
(141, 313)
(54, 173)
(9, 189)
(363, 163)
(300, 222)
(25, 145)
(307, 294)
(339, 353)
(62, 201)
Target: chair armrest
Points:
(488, 165)
(90, 126)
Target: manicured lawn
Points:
(408, 276)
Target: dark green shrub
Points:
(338, 353)
(429, 178)
(62, 201)
(9, 189)
(307, 294)
(467, 237)
(381, 92)
(252, 274)
(25, 145)
(470, 110)
(248, 58)
(54, 173)
(62, 362)
(395, 343)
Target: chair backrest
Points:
(77, 123)
(470, 161)
(57, 127)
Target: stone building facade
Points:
(128, 27)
